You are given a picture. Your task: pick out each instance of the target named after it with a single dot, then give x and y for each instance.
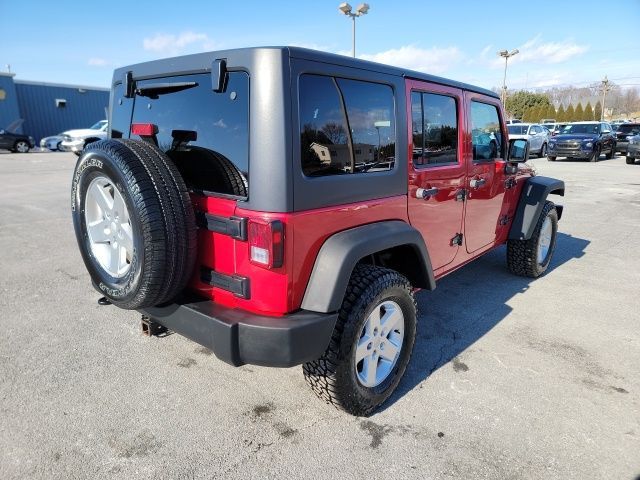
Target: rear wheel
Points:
(21, 146)
(531, 258)
(612, 153)
(543, 150)
(371, 344)
(134, 223)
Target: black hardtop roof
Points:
(202, 61)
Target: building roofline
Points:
(61, 85)
(7, 74)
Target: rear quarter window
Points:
(347, 126)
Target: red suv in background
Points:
(280, 206)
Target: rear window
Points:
(629, 129)
(517, 129)
(346, 126)
(205, 133)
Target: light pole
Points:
(361, 10)
(605, 89)
(506, 54)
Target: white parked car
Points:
(536, 134)
(75, 140)
(52, 142)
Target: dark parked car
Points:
(583, 140)
(16, 142)
(624, 133)
(633, 149)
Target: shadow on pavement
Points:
(466, 305)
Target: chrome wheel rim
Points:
(108, 227)
(544, 241)
(22, 147)
(379, 344)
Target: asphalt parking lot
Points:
(510, 378)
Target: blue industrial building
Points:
(49, 108)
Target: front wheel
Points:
(551, 158)
(630, 160)
(21, 146)
(531, 258)
(595, 155)
(371, 344)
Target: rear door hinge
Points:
(461, 195)
(457, 240)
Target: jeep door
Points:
(487, 144)
(436, 167)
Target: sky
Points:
(561, 42)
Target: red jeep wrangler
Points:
(280, 206)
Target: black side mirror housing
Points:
(518, 151)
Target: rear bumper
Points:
(238, 337)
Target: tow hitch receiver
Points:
(151, 328)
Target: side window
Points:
(486, 135)
(435, 129)
(347, 126)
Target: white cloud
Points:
(535, 51)
(168, 43)
(97, 62)
(432, 60)
(220, 123)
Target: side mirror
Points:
(518, 151)
(533, 133)
(606, 131)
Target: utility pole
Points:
(605, 89)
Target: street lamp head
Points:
(513, 52)
(362, 9)
(503, 53)
(345, 8)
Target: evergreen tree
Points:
(597, 111)
(561, 116)
(570, 114)
(588, 112)
(579, 114)
(550, 112)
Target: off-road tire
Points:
(161, 215)
(630, 160)
(551, 158)
(212, 169)
(333, 377)
(522, 255)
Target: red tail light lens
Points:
(144, 129)
(266, 243)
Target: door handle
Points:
(426, 193)
(477, 182)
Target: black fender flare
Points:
(532, 198)
(341, 252)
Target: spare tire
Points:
(134, 222)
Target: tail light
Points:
(266, 243)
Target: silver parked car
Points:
(536, 134)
